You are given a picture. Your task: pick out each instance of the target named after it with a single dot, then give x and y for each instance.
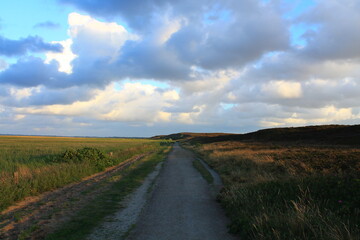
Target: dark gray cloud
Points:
(32, 72)
(145, 60)
(234, 44)
(45, 97)
(294, 66)
(213, 34)
(138, 13)
(231, 38)
(47, 25)
(64, 96)
(336, 35)
(22, 46)
(96, 74)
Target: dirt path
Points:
(182, 205)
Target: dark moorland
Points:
(286, 183)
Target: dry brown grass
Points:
(288, 190)
(295, 160)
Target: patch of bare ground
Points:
(43, 214)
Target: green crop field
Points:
(32, 165)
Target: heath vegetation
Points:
(287, 190)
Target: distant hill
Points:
(332, 134)
(189, 135)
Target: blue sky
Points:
(72, 67)
(19, 18)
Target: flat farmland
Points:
(32, 165)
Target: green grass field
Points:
(32, 165)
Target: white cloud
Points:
(282, 89)
(220, 72)
(326, 115)
(93, 39)
(135, 102)
(166, 28)
(21, 93)
(64, 58)
(19, 117)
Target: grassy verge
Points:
(92, 214)
(288, 191)
(203, 171)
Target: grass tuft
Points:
(203, 171)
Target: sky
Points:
(143, 68)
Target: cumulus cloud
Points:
(228, 65)
(47, 25)
(22, 46)
(282, 89)
(325, 115)
(230, 39)
(294, 67)
(234, 43)
(88, 67)
(64, 58)
(40, 96)
(31, 72)
(133, 103)
(104, 39)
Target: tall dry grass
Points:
(284, 191)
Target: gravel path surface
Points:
(116, 226)
(182, 205)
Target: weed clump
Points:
(92, 156)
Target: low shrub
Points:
(88, 155)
